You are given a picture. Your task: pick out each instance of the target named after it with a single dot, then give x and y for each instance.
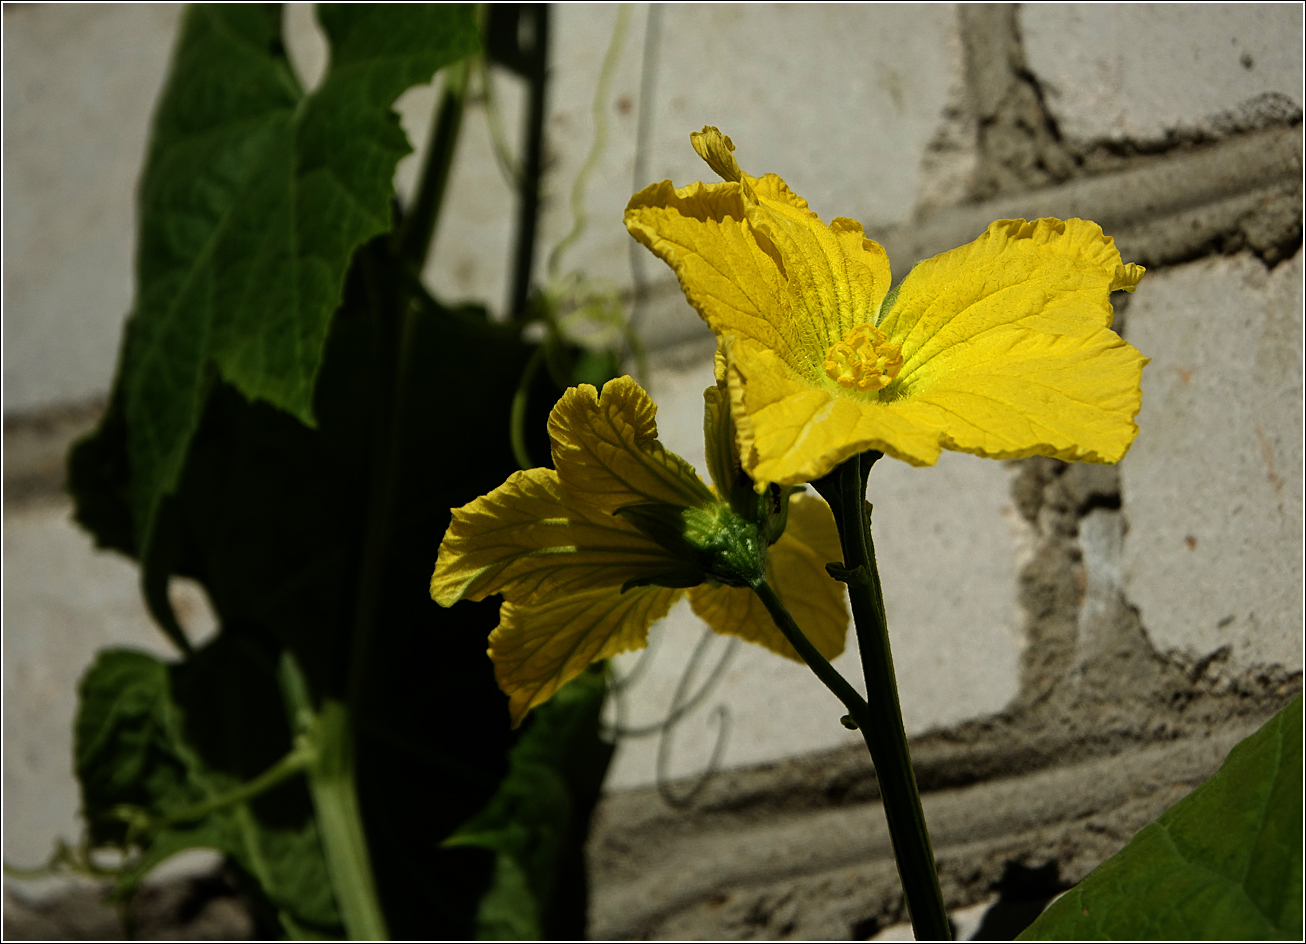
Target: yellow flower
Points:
(587, 557)
(1002, 347)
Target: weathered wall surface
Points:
(1077, 646)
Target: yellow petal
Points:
(536, 649)
(791, 430)
(1007, 352)
(526, 541)
(1127, 277)
(702, 232)
(755, 261)
(795, 568)
(1047, 276)
(719, 440)
(1016, 391)
(607, 453)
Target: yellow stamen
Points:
(864, 360)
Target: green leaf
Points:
(270, 517)
(160, 738)
(539, 817)
(1223, 863)
(126, 738)
(253, 199)
(507, 911)
(254, 203)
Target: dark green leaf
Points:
(1223, 863)
(507, 911)
(126, 740)
(253, 199)
(161, 738)
(539, 816)
(272, 518)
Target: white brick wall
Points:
(1140, 70)
(1212, 487)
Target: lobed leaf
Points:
(253, 200)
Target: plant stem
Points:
(418, 228)
(517, 415)
(827, 673)
(329, 737)
(297, 761)
(535, 70)
(845, 490)
(340, 822)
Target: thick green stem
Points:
(340, 822)
(329, 737)
(845, 490)
(852, 700)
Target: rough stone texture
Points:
(1018, 146)
(1243, 191)
(844, 151)
(1212, 486)
(821, 873)
(1115, 71)
(795, 849)
(852, 146)
(36, 447)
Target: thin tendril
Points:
(508, 163)
(600, 140)
(517, 415)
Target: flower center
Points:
(864, 360)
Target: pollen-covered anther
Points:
(864, 360)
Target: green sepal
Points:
(713, 539)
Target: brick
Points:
(1139, 71)
(1212, 486)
